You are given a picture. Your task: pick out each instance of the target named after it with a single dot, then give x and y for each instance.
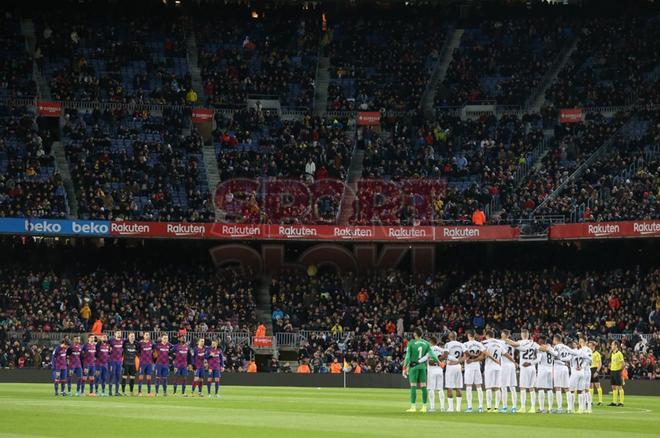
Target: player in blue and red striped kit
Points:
(102, 360)
(89, 362)
(181, 361)
(116, 358)
(74, 354)
(199, 359)
(163, 349)
(59, 366)
(146, 363)
(216, 363)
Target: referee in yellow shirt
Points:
(596, 364)
(616, 367)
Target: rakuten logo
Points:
(42, 227)
(297, 232)
(129, 228)
(186, 229)
(460, 233)
(406, 233)
(241, 230)
(349, 233)
(645, 228)
(89, 228)
(603, 229)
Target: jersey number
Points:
(457, 354)
(419, 353)
(529, 355)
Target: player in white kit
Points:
(579, 381)
(493, 369)
(472, 374)
(528, 351)
(587, 353)
(544, 375)
(453, 374)
(560, 369)
(435, 376)
(509, 381)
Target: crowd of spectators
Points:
(91, 56)
(382, 62)
(609, 71)
(622, 184)
(281, 171)
(137, 166)
(503, 60)
(126, 289)
(29, 184)
(16, 72)
(273, 54)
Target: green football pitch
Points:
(32, 410)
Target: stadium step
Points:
(322, 81)
(264, 300)
(62, 166)
(212, 174)
(354, 174)
(439, 72)
(536, 99)
(27, 29)
(193, 67)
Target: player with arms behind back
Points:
(162, 363)
(89, 361)
(129, 368)
(181, 356)
(414, 367)
(529, 357)
(493, 370)
(146, 363)
(199, 358)
(474, 355)
(596, 364)
(216, 363)
(509, 381)
(453, 372)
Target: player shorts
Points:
(473, 375)
(576, 381)
(162, 370)
(544, 378)
(147, 369)
(493, 378)
(200, 373)
(561, 377)
(453, 377)
(102, 372)
(61, 373)
(90, 371)
(595, 377)
(215, 374)
(435, 378)
(78, 372)
(508, 377)
(129, 369)
(181, 372)
(528, 377)
(615, 378)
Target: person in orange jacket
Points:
(252, 367)
(478, 217)
(335, 367)
(304, 368)
(97, 328)
(261, 330)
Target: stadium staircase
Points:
(62, 166)
(604, 149)
(193, 67)
(536, 99)
(439, 72)
(212, 174)
(321, 83)
(264, 311)
(27, 29)
(354, 174)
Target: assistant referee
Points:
(616, 367)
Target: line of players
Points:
(548, 368)
(101, 361)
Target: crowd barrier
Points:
(453, 233)
(340, 380)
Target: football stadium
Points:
(284, 218)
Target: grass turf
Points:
(32, 410)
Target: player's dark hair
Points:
(470, 333)
(488, 333)
(419, 332)
(506, 332)
(433, 340)
(617, 343)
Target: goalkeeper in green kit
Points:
(414, 367)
